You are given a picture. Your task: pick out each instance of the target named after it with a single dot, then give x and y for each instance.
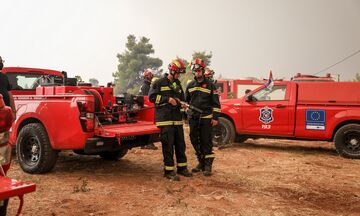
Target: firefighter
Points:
(167, 94)
(209, 74)
(201, 93)
(5, 88)
(147, 76)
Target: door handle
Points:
(280, 106)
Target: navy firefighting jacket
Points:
(160, 92)
(205, 97)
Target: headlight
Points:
(5, 155)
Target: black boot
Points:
(171, 176)
(201, 165)
(184, 172)
(208, 166)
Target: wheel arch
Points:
(230, 119)
(341, 125)
(26, 122)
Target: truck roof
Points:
(31, 70)
(312, 78)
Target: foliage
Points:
(94, 82)
(132, 63)
(78, 78)
(357, 77)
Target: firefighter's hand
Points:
(172, 101)
(183, 105)
(214, 122)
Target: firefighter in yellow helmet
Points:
(167, 93)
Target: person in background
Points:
(209, 74)
(201, 93)
(147, 76)
(9, 101)
(5, 88)
(167, 95)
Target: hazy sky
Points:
(247, 37)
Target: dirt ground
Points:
(258, 177)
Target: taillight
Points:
(87, 116)
(5, 119)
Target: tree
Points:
(94, 82)
(188, 76)
(78, 78)
(202, 55)
(132, 63)
(357, 77)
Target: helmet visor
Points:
(195, 67)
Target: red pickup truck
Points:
(56, 113)
(8, 187)
(328, 111)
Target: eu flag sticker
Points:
(315, 120)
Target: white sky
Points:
(247, 37)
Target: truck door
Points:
(267, 111)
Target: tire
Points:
(115, 155)
(223, 133)
(34, 151)
(347, 141)
(240, 138)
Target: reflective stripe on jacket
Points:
(160, 92)
(205, 97)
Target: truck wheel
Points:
(34, 151)
(223, 133)
(113, 155)
(347, 141)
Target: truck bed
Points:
(129, 129)
(333, 93)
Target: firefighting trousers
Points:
(172, 137)
(201, 137)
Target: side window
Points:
(23, 81)
(276, 93)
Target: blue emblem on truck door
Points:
(266, 115)
(315, 120)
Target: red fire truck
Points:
(56, 113)
(8, 187)
(327, 111)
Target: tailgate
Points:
(129, 129)
(11, 187)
